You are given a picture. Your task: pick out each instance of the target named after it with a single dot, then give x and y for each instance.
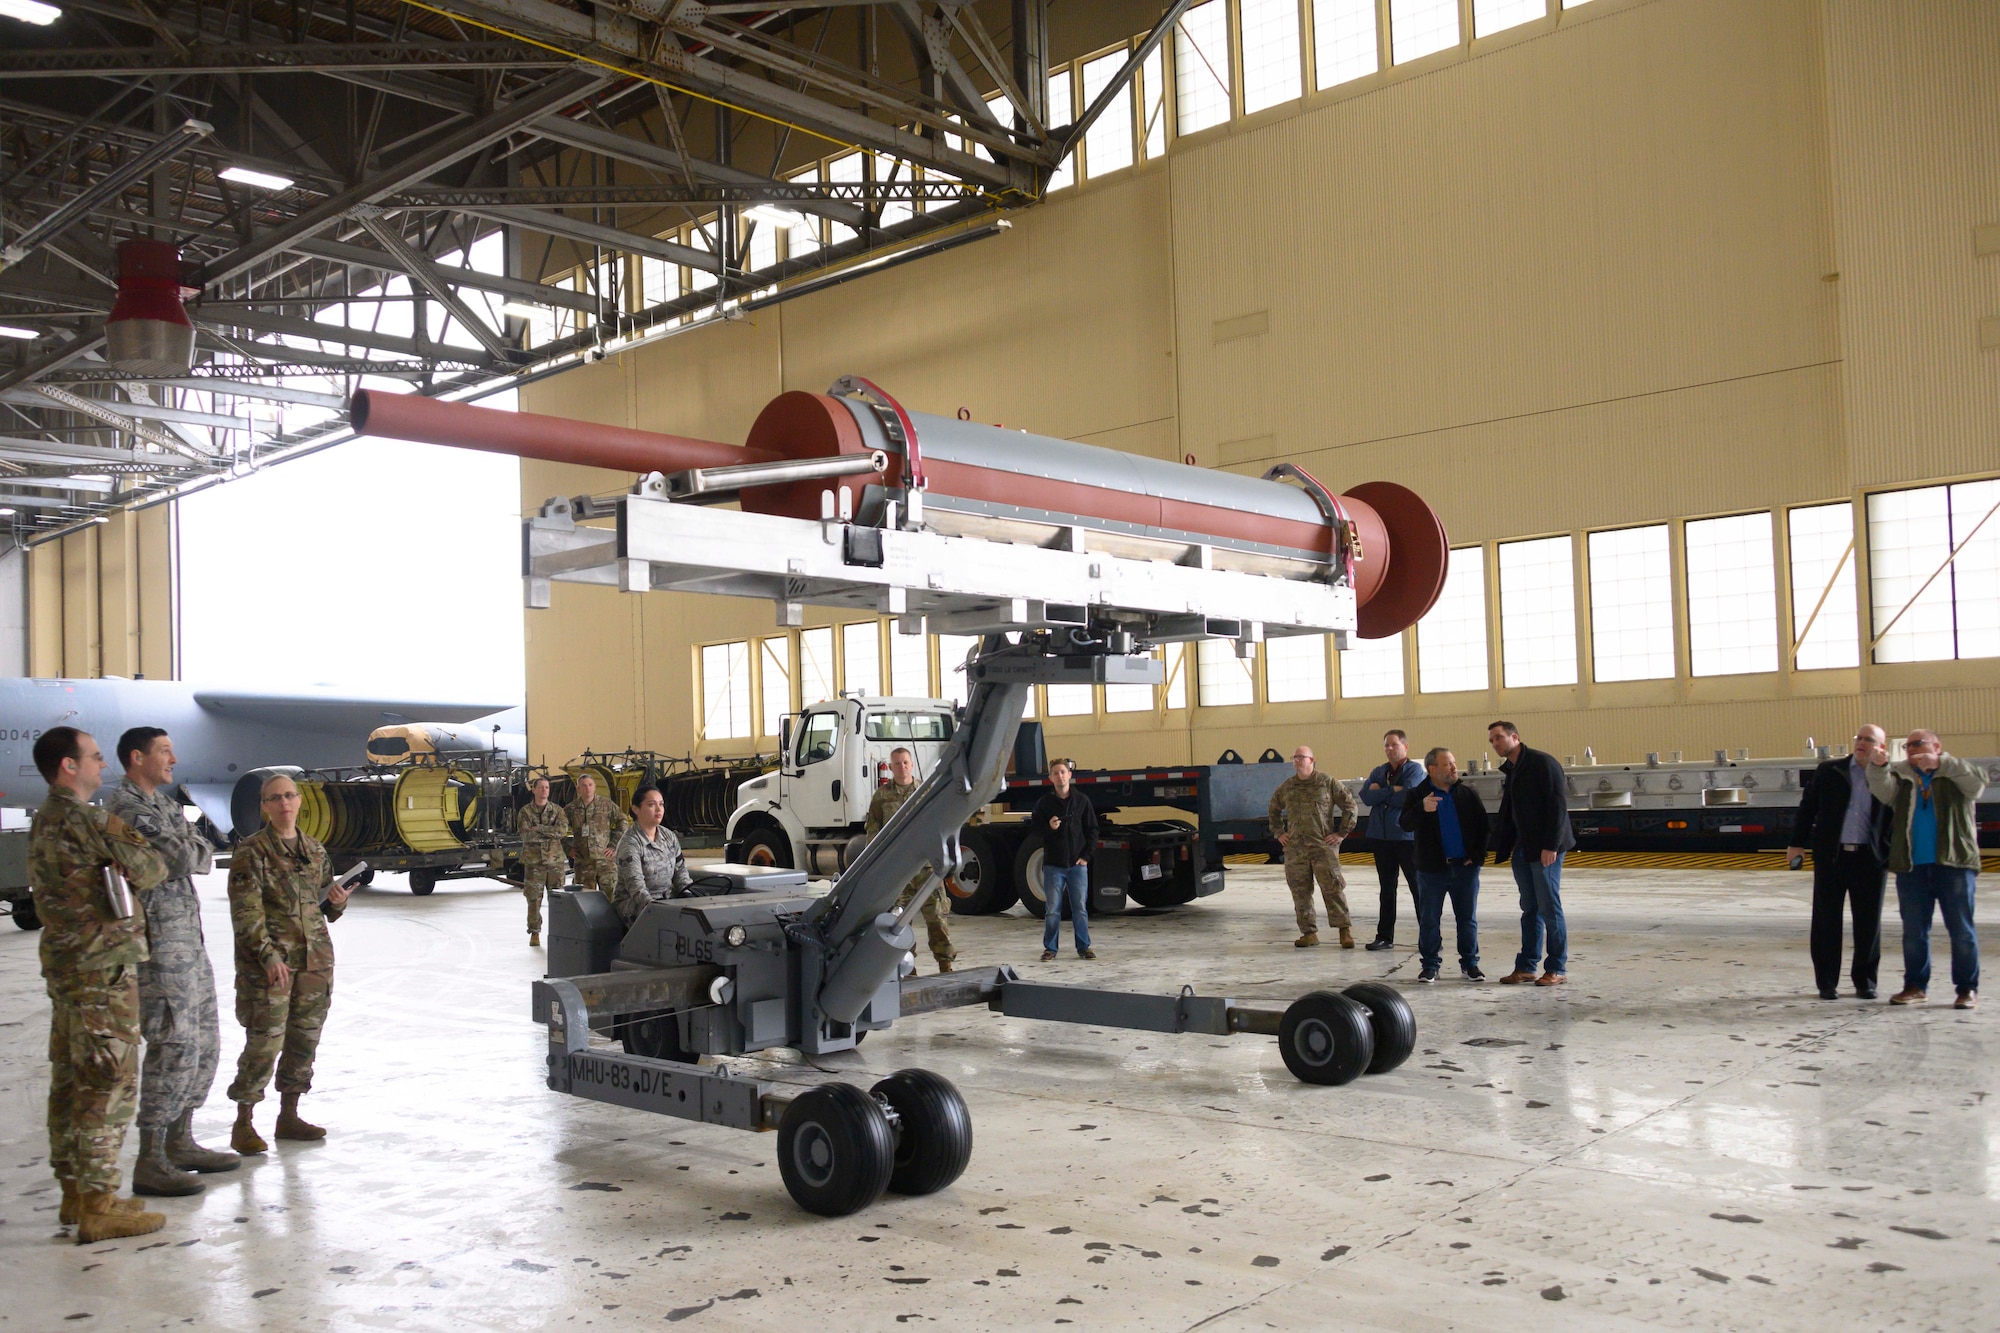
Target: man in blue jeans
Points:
(1934, 850)
(1532, 831)
(1067, 826)
(1448, 822)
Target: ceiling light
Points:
(90, 476)
(5, 512)
(100, 519)
(777, 217)
(520, 310)
(262, 180)
(9, 330)
(29, 11)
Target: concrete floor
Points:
(1682, 1137)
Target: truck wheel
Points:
(1389, 1014)
(768, 847)
(836, 1150)
(656, 1036)
(936, 1139)
(25, 915)
(985, 883)
(422, 882)
(1326, 1038)
(1028, 880)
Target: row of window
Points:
(1934, 595)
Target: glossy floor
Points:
(1683, 1137)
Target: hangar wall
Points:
(1648, 261)
(103, 600)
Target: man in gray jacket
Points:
(177, 1013)
(1934, 850)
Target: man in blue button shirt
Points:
(1382, 795)
(1449, 827)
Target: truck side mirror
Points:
(785, 741)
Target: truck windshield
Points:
(909, 726)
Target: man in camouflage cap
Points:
(886, 801)
(281, 896)
(595, 826)
(542, 826)
(90, 965)
(1310, 813)
(176, 985)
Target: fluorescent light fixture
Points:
(261, 180)
(102, 519)
(90, 476)
(522, 310)
(6, 512)
(9, 330)
(29, 11)
(777, 217)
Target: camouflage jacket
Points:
(1314, 808)
(275, 893)
(542, 829)
(886, 801)
(648, 870)
(68, 846)
(160, 821)
(595, 828)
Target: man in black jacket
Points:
(1067, 825)
(1533, 832)
(1449, 821)
(1847, 830)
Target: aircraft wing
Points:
(333, 713)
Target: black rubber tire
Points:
(985, 882)
(936, 1139)
(365, 878)
(1028, 880)
(767, 846)
(1389, 1014)
(25, 915)
(836, 1150)
(423, 882)
(656, 1035)
(1326, 1038)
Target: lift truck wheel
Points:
(935, 1142)
(1389, 1014)
(1326, 1038)
(656, 1035)
(767, 847)
(422, 882)
(25, 915)
(985, 882)
(836, 1149)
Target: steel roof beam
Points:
(591, 233)
(427, 275)
(270, 58)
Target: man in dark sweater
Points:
(1847, 830)
(1449, 823)
(1067, 826)
(1532, 832)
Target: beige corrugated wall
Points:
(103, 601)
(1648, 261)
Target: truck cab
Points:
(833, 756)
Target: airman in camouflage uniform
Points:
(595, 826)
(650, 863)
(886, 801)
(90, 966)
(542, 826)
(281, 897)
(1310, 813)
(176, 985)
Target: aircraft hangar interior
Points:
(1142, 664)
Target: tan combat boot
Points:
(291, 1126)
(100, 1216)
(1346, 938)
(183, 1151)
(67, 1213)
(534, 939)
(243, 1135)
(153, 1174)
(1309, 940)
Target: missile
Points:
(986, 481)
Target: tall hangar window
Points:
(1344, 45)
(894, 171)
(1153, 101)
(1175, 687)
(1270, 46)
(1491, 16)
(774, 670)
(725, 691)
(1295, 668)
(1201, 68)
(1222, 677)
(804, 238)
(1060, 113)
(846, 169)
(1537, 613)
(1071, 700)
(1451, 638)
(861, 657)
(1631, 605)
(1825, 628)
(1371, 668)
(1731, 596)
(909, 664)
(815, 666)
(1419, 27)
(701, 278)
(953, 649)
(659, 281)
(1927, 603)
(1108, 146)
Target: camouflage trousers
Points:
(177, 1011)
(93, 1073)
(933, 912)
(597, 870)
(1305, 861)
(537, 880)
(280, 1029)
